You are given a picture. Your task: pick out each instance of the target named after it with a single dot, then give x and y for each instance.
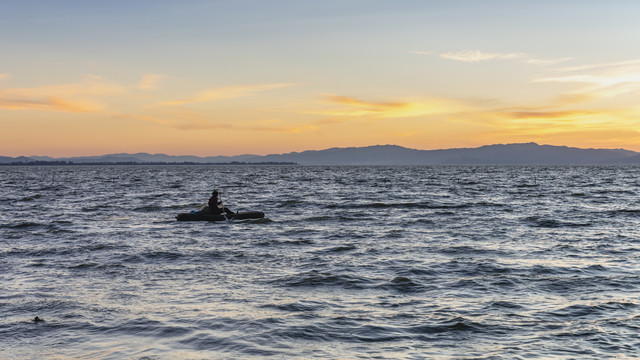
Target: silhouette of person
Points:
(215, 205)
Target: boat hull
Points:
(210, 217)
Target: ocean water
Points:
(442, 262)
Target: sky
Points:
(230, 77)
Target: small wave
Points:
(616, 192)
(616, 305)
(337, 249)
(537, 221)
(321, 279)
(464, 250)
(400, 205)
(525, 186)
(470, 284)
(426, 221)
(59, 230)
(505, 305)
(274, 242)
(231, 344)
(594, 268)
(421, 271)
(264, 220)
(504, 282)
(624, 212)
(214, 254)
(298, 306)
(454, 325)
(290, 204)
(320, 218)
(131, 258)
(151, 208)
(475, 268)
(373, 333)
(538, 270)
(95, 207)
(402, 284)
(489, 204)
(577, 311)
(31, 198)
(144, 326)
(83, 266)
(23, 225)
(165, 255)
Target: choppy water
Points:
(487, 262)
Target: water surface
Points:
(460, 262)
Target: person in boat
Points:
(215, 205)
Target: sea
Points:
(350, 262)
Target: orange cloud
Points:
(352, 107)
(48, 104)
(78, 97)
(555, 115)
(229, 92)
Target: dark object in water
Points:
(37, 319)
(198, 216)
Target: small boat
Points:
(199, 216)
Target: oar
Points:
(224, 213)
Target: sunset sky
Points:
(254, 76)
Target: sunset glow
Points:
(228, 78)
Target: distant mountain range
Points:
(525, 154)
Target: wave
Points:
(285, 243)
(537, 221)
(454, 325)
(315, 278)
(403, 284)
(624, 212)
(298, 306)
(338, 249)
(400, 205)
(31, 198)
(25, 225)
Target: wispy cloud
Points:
(48, 104)
(558, 115)
(615, 64)
(476, 55)
(600, 80)
(148, 81)
(201, 124)
(4, 76)
(228, 92)
(422, 52)
(539, 61)
(352, 107)
(74, 97)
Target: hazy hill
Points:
(527, 153)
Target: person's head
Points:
(215, 193)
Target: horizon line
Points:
(324, 149)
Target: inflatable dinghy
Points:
(199, 216)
